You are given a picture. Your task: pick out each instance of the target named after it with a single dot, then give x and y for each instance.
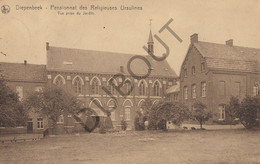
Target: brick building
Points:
(85, 72)
(24, 79)
(212, 73)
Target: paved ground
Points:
(210, 146)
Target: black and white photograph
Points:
(130, 81)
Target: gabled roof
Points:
(22, 72)
(236, 58)
(89, 61)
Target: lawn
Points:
(210, 146)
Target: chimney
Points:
(47, 46)
(122, 69)
(25, 62)
(229, 42)
(194, 38)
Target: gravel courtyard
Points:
(210, 146)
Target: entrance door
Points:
(29, 127)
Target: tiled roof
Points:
(22, 72)
(89, 61)
(221, 56)
(173, 89)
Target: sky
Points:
(24, 33)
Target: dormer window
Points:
(193, 70)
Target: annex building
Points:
(212, 73)
(85, 73)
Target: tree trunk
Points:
(200, 125)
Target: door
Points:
(29, 127)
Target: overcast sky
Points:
(24, 33)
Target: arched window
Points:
(95, 86)
(111, 83)
(142, 89)
(77, 86)
(127, 86)
(156, 89)
(59, 81)
(255, 90)
(112, 108)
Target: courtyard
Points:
(198, 146)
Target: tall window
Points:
(185, 92)
(112, 107)
(156, 89)
(77, 86)
(193, 91)
(111, 83)
(222, 88)
(222, 114)
(59, 81)
(39, 123)
(202, 67)
(193, 70)
(142, 89)
(127, 85)
(95, 86)
(185, 72)
(127, 114)
(255, 90)
(237, 89)
(19, 90)
(203, 89)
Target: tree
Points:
(53, 102)
(247, 113)
(12, 112)
(231, 110)
(200, 114)
(167, 111)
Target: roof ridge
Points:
(223, 44)
(79, 49)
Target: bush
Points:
(123, 125)
(247, 113)
(139, 124)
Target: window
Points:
(185, 72)
(202, 67)
(142, 91)
(111, 83)
(193, 91)
(95, 86)
(112, 108)
(113, 116)
(59, 81)
(39, 123)
(156, 89)
(237, 89)
(203, 89)
(255, 90)
(175, 97)
(193, 70)
(60, 119)
(19, 90)
(222, 114)
(127, 114)
(127, 85)
(38, 89)
(77, 86)
(185, 92)
(222, 88)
